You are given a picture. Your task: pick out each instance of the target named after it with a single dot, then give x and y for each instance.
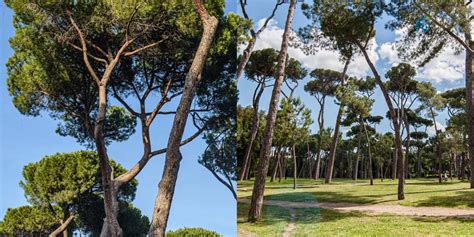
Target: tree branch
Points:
(84, 50)
(456, 37)
(145, 47)
(183, 142)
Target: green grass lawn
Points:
(322, 222)
(418, 192)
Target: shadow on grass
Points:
(272, 215)
(462, 198)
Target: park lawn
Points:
(273, 223)
(323, 222)
(418, 192)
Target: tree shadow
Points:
(462, 198)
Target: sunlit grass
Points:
(322, 222)
(418, 192)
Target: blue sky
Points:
(445, 72)
(199, 200)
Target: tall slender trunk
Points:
(438, 151)
(253, 133)
(255, 212)
(407, 146)
(470, 104)
(277, 162)
(335, 136)
(394, 162)
(395, 121)
(173, 155)
(356, 168)
(294, 166)
(110, 226)
(320, 142)
(369, 153)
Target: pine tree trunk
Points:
(356, 168)
(277, 162)
(173, 155)
(318, 148)
(255, 212)
(335, 136)
(395, 121)
(294, 167)
(369, 153)
(253, 133)
(470, 105)
(63, 227)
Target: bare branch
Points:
(145, 47)
(183, 142)
(84, 50)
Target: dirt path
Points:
(292, 225)
(376, 208)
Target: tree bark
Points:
(369, 153)
(321, 127)
(253, 133)
(335, 136)
(396, 123)
(255, 212)
(173, 155)
(63, 227)
(470, 104)
(277, 163)
(294, 166)
(356, 168)
(407, 146)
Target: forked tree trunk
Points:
(396, 124)
(255, 212)
(173, 155)
(253, 133)
(63, 227)
(335, 136)
(320, 142)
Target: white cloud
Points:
(447, 66)
(431, 130)
(388, 51)
(271, 38)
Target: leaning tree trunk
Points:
(335, 136)
(396, 124)
(173, 155)
(63, 227)
(255, 212)
(253, 133)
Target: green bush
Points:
(192, 232)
